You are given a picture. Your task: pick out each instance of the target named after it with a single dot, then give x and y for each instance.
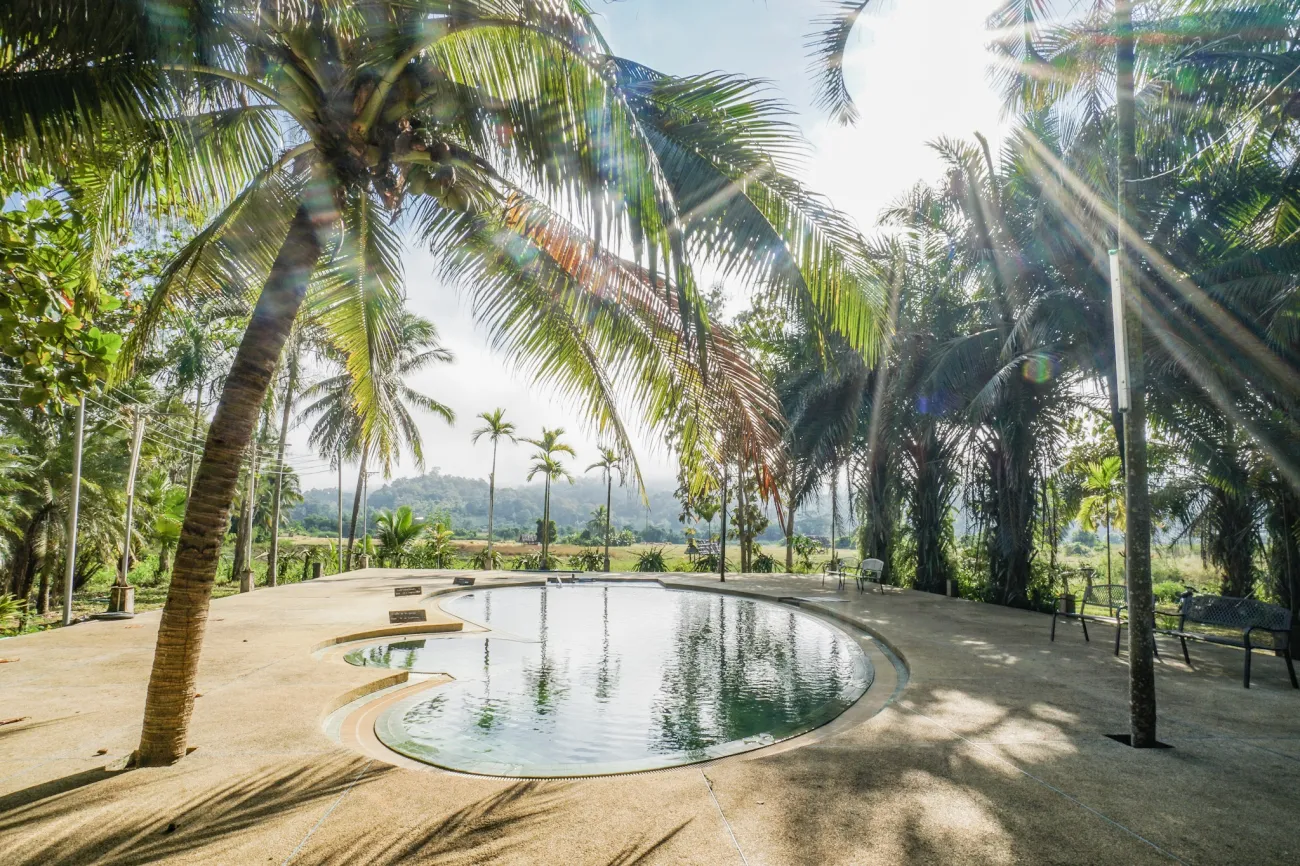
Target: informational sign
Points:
(462, 581)
(399, 616)
(400, 591)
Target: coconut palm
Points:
(546, 464)
(306, 128)
(340, 428)
(608, 464)
(496, 428)
(1104, 484)
(397, 531)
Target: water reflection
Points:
(589, 678)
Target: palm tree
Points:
(608, 464)
(1104, 483)
(341, 428)
(547, 465)
(398, 530)
(496, 428)
(452, 113)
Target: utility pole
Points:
(246, 579)
(121, 598)
(1137, 560)
(340, 551)
(70, 567)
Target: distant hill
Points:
(465, 502)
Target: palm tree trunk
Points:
(609, 494)
(789, 530)
(272, 570)
(356, 506)
(546, 526)
(240, 558)
(47, 571)
(194, 432)
(1106, 506)
(492, 496)
(170, 700)
(1137, 559)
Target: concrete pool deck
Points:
(994, 752)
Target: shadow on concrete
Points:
(475, 833)
(75, 828)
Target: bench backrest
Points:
(1242, 613)
(1111, 595)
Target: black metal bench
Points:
(1242, 621)
(1112, 596)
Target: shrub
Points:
(651, 560)
(487, 559)
(763, 564)
(533, 562)
(587, 560)
(1167, 591)
(706, 563)
(10, 607)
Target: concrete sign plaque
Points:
(400, 591)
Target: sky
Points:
(918, 71)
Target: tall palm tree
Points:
(496, 428)
(546, 464)
(608, 464)
(341, 427)
(306, 128)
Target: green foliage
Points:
(651, 560)
(487, 559)
(805, 549)
(48, 305)
(397, 531)
(10, 609)
(587, 560)
(764, 564)
(437, 550)
(707, 563)
(533, 562)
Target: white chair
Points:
(870, 570)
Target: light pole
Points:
(121, 598)
(70, 567)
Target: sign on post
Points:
(399, 616)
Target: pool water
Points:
(595, 679)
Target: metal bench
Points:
(1112, 596)
(838, 570)
(1242, 621)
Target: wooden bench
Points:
(1240, 622)
(1111, 596)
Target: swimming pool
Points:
(596, 679)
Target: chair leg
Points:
(1246, 672)
(1290, 668)
(1119, 632)
(1053, 628)
(1084, 623)
(1187, 658)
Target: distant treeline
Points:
(464, 501)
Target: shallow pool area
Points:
(593, 679)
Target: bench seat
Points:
(1242, 623)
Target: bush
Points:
(763, 564)
(587, 560)
(10, 608)
(486, 559)
(707, 563)
(1167, 591)
(533, 562)
(651, 560)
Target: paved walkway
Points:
(994, 752)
